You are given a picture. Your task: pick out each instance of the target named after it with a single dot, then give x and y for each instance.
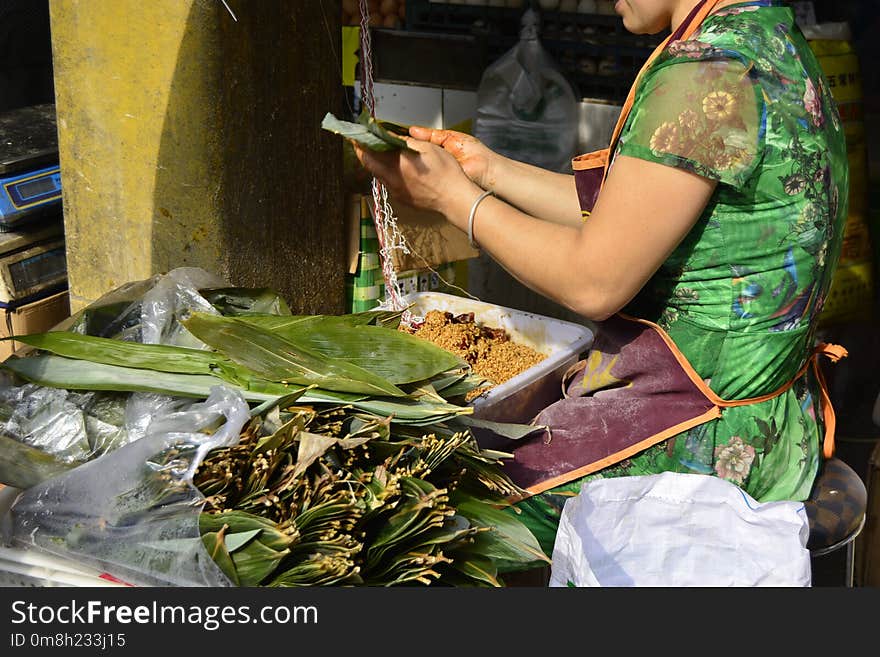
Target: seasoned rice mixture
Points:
(489, 351)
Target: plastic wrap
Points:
(100, 486)
(134, 513)
(45, 431)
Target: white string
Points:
(390, 237)
(387, 231)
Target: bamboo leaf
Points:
(478, 568)
(238, 540)
(277, 359)
(23, 466)
(243, 300)
(255, 562)
(312, 446)
(386, 352)
(241, 522)
(162, 358)
(509, 430)
(509, 529)
(217, 549)
(368, 132)
(75, 374)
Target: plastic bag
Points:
(134, 513)
(46, 431)
(526, 109)
(676, 529)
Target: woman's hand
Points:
(425, 177)
(472, 155)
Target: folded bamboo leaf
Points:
(277, 359)
(463, 387)
(478, 568)
(386, 352)
(509, 529)
(368, 132)
(241, 521)
(217, 549)
(311, 447)
(255, 562)
(505, 555)
(237, 540)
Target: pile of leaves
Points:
(359, 465)
(335, 497)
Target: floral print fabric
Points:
(743, 102)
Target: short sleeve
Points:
(704, 116)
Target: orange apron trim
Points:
(592, 160)
(601, 159)
(833, 351)
(632, 450)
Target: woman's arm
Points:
(595, 268)
(535, 191)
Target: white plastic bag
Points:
(526, 109)
(675, 529)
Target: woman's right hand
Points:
(472, 155)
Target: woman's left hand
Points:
(425, 177)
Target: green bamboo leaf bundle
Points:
(395, 355)
(358, 500)
(277, 359)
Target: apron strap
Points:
(834, 352)
(684, 31)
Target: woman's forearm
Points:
(535, 191)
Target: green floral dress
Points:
(743, 102)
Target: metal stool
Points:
(836, 512)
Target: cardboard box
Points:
(431, 239)
(35, 317)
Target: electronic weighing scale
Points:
(30, 178)
(32, 255)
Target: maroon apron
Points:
(635, 388)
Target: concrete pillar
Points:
(190, 138)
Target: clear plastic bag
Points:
(134, 513)
(46, 431)
(526, 109)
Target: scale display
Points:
(28, 194)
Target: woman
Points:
(717, 228)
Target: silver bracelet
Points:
(473, 244)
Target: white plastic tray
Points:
(525, 395)
(23, 567)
